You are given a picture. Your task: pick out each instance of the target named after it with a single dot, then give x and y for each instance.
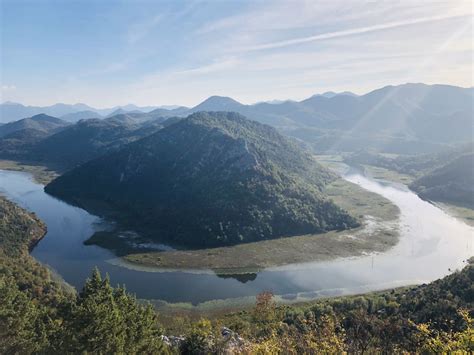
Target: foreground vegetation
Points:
(39, 315)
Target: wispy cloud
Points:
(345, 33)
(182, 51)
(215, 66)
(140, 30)
(8, 87)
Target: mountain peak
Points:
(223, 179)
(220, 98)
(331, 94)
(42, 117)
(218, 103)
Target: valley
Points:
(50, 300)
(210, 166)
(205, 177)
(372, 224)
(226, 284)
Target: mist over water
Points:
(431, 244)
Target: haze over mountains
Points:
(17, 135)
(410, 118)
(11, 111)
(77, 143)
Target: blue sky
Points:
(106, 53)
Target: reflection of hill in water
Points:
(243, 278)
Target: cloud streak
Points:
(141, 30)
(8, 87)
(345, 33)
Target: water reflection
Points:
(244, 278)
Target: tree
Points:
(108, 320)
(22, 322)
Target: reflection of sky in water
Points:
(431, 243)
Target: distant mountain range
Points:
(11, 111)
(69, 145)
(331, 94)
(81, 115)
(409, 118)
(210, 179)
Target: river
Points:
(431, 245)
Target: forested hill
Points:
(453, 182)
(211, 179)
(80, 142)
(40, 123)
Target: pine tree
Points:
(22, 322)
(109, 320)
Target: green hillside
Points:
(452, 182)
(210, 179)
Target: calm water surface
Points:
(431, 244)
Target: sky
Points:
(105, 53)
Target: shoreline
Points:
(308, 295)
(462, 213)
(254, 257)
(34, 242)
(378, 233)
(322, 247)
(40, 173)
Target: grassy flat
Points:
(41, 174)
(379, 233)
(465, 214)
(388, 175)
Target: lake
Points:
(431, 244)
